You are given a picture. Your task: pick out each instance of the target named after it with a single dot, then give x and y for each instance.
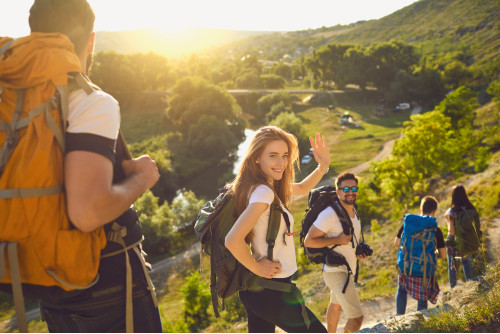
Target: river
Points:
(242, 148)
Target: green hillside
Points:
(468, 26)
(463, 29)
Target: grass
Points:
(481, 314)
(377, 272)
(351, 146)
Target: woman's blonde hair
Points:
(250, 174)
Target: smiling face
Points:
(273, 160)
(349, 197)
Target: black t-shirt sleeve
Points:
(400, 232)
(91, 143)
(439, 239)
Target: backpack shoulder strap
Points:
(81, 81)
(344, 219)
(6, 46)
(274, 225)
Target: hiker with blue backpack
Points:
(464, 234)
(418, 240)
(265, 184)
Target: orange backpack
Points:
(34, 72)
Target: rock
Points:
(405, 323)
(378, 328)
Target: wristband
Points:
(327, 169)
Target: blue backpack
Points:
(416, 256)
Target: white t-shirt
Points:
(284, 253)
(97, 113)
(329, 223)
(93, 123)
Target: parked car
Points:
(306, 159)
(401, 107)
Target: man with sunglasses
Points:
(327, 231)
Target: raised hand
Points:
(320, 151)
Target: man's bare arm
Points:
(316, 238)
(92, 198)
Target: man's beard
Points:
(90, 61)
(350, 201)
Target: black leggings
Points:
(269, 308)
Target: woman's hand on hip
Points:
(267, 269)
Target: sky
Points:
(260, 15)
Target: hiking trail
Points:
(376, 310)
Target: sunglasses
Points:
(353, 188)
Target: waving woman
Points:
(266, 176)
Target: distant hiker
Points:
(418, 241)
(266, 174)
(464, 234)
(328, 231)
(97, 185)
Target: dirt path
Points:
(161, 269)
(383, 154)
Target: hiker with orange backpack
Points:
(69, 233)
(419, 241)
(464, 234)
(266, 176)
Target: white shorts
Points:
(349, 301)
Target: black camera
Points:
(364, 249)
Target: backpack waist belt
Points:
(257, 284)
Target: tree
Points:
(196, 299)
(113, 73)
(291, 123)
(430, 88)
(403, 88)
(456, 74)
(265, 103)
(428, 147)
(212, 140)
(250, 62)
(194, 97)
(494, 90)
(277, 109)
(126, 77)
(283, 70)
(156, 222)
(387, 59)
(209, 126)
(272, 81)
(325, 62)
(353, 68)
(248, 80)
(459, 105)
